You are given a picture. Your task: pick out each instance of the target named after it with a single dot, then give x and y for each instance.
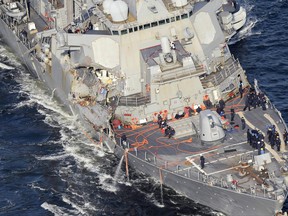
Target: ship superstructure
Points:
(143, 56)
(121, 66)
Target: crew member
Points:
(163, 123)
(218, 110)
(247, 102)
(207, 101)
(232, 115)
(243, 122)
(167, 131)
(262, 101)
(222, 104)
(241, 90)
(278, 142)
(202, 161)
(249, 137)
(285, 137)
(171, 133)
(124, 140)
(259, 147)
(198, 110)
(159, 121)
(273, 139)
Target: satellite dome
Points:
(106, 6)
(180, 3)
(119, 11)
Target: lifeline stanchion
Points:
(126, 160)
(161, 185)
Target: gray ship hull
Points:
(223, 200)
(54, 83)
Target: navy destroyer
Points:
(155, 82)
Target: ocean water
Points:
(263, 50)
(47, 167)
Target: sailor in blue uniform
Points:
(232, 115)
(159, 120)
(285, 137)
(269, 134)
(124, 141)
(263, 101)
(247, 103)
(171, 133)
(241, 90)
(262, 144)
(278, 142)
(254, 139)
(249, 137)
(202, 161)
(260, 135)
(163, 123)
(167, 131)
(253, 100)
(259, 147)
(243, 122)
(273, 139)
(222, 104)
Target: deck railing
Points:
(215, 79)
(190, 173)
(177, 74)
(134, 100)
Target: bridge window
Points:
(184, 16)
(147, 26)
(124, 32)
(161, 22)
(154, 24)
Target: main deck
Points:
(222, 160)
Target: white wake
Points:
(4, 66)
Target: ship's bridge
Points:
(142, 16)
(133, 25)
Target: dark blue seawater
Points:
(263, 54)
(47, 167)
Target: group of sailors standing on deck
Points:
(256, 139)
(274, 137)
(254, 100)
(168, 130)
